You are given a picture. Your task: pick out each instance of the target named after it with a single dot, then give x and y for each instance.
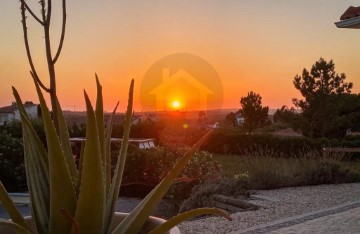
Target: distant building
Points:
(11, 113)
(146, 117)
(136, 120)
(214, 125)
(240, 119)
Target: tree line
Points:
(328, 108)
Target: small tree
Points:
(254, 113)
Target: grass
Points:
(273, 172)
(263, 170)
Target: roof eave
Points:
(349, 23)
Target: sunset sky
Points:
(257, 45)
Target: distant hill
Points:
(212, 115)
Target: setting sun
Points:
(175, 104)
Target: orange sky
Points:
(257, 45)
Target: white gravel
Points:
(291, 202)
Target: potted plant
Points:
(69, 199)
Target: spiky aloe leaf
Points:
(91, 202)
(11, 208)
(62, 191)
(37, 170)
(14, 227)
(165, 227)
(66, 146)
(99, 113)
(81, 160)
(43, 157)
(115, 186)
(37, 178)
(108, 150)
(136, 219)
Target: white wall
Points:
(30, 110)
(6, 117)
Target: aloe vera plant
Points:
(68, 199)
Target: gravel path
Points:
(291, 202)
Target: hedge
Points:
(233, 142)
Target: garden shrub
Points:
(14, 129)
(266, 172)
(149, 167)
(201, 195)
(12, 171)
(234, 142)
(331, 173)
(201, 168)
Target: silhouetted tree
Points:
(331, 116)
(254, 113)
(231, 119)
(29, 103)
(328, 108)
(322, 80)
(202, 118)
(287, 116)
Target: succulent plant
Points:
(69, 199)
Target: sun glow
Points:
(176, 104)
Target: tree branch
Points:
(48, 17)
(42, 3)
(39, 82)
(31, 12)
(26, 41)
(62, 33)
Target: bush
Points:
(77, 130)
(201, 195)
(255, 172)
(12, 171)
(331, 173)
(201, 168)
(149, 167)
(14, 129)
(234, 142)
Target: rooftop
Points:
(350, 18)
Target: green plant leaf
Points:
(81, 160)
(99, 113)
(37, 178)
(66, 146)
(108, 151)
(91, 202)
(116, 182)
(43, 158)
(62, 191)
(37, 170)
(14, 226)
(136, 219)
(165, 227)
(11, 208)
